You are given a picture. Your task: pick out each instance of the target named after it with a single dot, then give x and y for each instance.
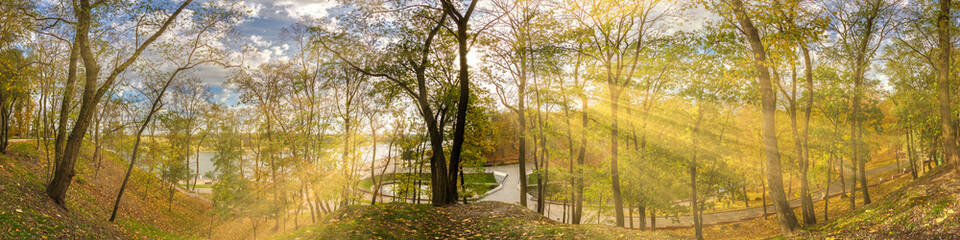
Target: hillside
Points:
(483, 220)
(27, 213)
(924, 209)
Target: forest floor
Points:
(146, 211)
(767, 227)
(483, 220)
(923, 209)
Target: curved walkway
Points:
(511, 192)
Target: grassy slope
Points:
(26, 212)
(924, 209)
(484, 220)
(763, 228)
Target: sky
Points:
(262, 31)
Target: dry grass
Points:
(768, 227)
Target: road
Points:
(511, 191)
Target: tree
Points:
(198, 51)
(16, 68)
(460, 16)
(709, 88)
(861, 26)
(154, 107)
(799, 27)
(511, 46)
(785, 215)
(230, 192)
(263, 88)
(15, 84)
(63, 176)
(618, 32)
(577, 40)
(408, 65)
(950, 151)
(913, 75)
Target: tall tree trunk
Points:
(826, 190)
(345, 189)
(522, 139)
(860, 65)
(853, 183)
(863, 172)
(642, 215)
(578, 200)
(785, 215)
(614, 149)
(154, 107)
(697, 222)
(462, 21)
(63, 176)
(373, 161)
(949, 131)
(763, 189)
(4, 120)
(653, 219)
(570, 151)
(911, 154)
(806, 202)
(542, 177)
(65, 104)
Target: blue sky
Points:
(262, 31)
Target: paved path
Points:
(511, 191)
(555, 211)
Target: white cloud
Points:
(306, 8)
(258, 41)
(691, 20)
(253, 9)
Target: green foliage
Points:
(230, 190)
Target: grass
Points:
(485, 220)
(762, 228)
(923, 209)
(27, 213)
